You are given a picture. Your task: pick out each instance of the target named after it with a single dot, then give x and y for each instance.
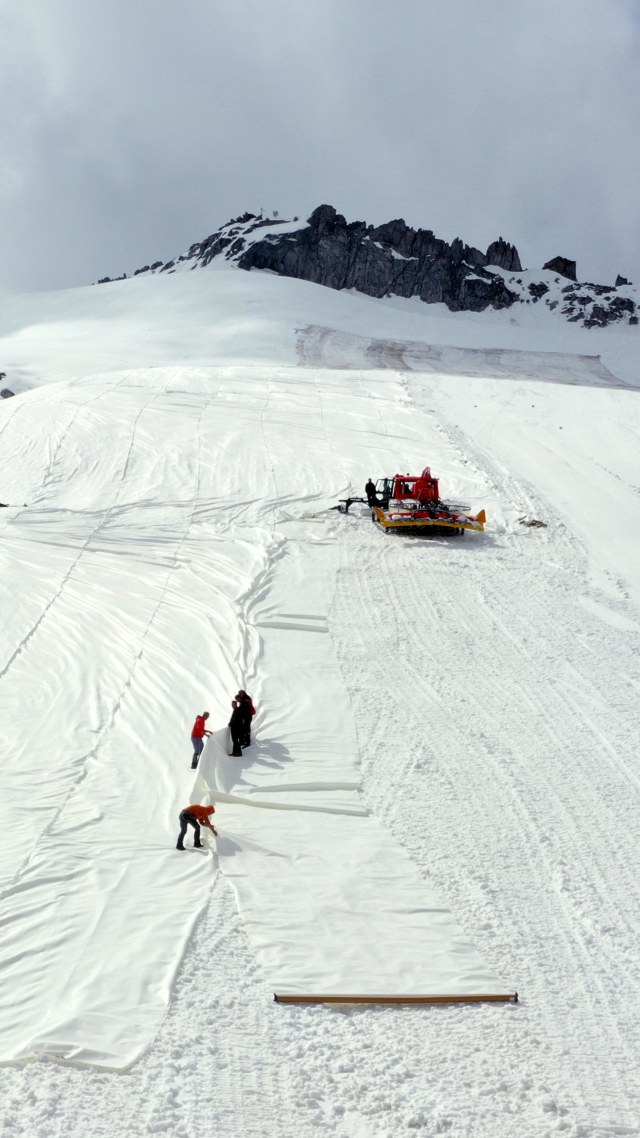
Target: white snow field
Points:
(443, 791)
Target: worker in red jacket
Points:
(195, 816)
(197, 737)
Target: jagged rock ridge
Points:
(392, 259)
(395, 260)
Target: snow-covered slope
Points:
(224, 316)
(179, 438)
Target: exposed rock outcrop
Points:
(563, 267)
(504, 255)
(390, 259)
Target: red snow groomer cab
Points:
(412, 502)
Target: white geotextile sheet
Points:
(138, 590)
(305, 749)
(96, 905)
(124, 616)
(332, 904)
(91, 948)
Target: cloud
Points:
(129, 130)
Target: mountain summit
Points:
(395, 260)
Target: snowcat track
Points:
(435, 525)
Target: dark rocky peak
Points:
(504, 255)
(563, 267)
(408, 242)
(397, 235)
(390, 259)
(621, 281)
(325, 219)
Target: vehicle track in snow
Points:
(492, 748)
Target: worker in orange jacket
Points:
(195, 816)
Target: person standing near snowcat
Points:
(370, 491)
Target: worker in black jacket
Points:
(370, 491)
(245, 703)
(237, 728)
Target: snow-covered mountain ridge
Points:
(395, 260)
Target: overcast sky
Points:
(131, 128)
